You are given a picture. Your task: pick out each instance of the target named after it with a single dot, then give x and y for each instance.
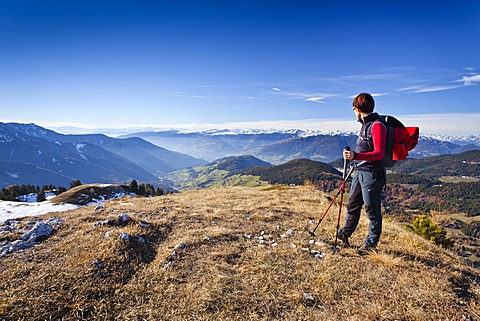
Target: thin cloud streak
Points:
(470, 80)
(310, 97)
(434, 88)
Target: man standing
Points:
(370, 177)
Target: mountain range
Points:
(30, 154)
(277, 147)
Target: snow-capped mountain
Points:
(277, 146)
(30, 154)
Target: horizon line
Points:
(432, 124)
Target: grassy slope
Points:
(222, 274)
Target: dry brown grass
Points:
(86, 272)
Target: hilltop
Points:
(228, 254)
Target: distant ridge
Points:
(279, 146)
(30, 154)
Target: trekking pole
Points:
(342, 191)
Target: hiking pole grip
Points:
(345, 163)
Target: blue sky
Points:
(239, 64)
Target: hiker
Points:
(369, 177)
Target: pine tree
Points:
(159, 192)
(425, 227)
(134, 187)
(41, 196)
(75, 183)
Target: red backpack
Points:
(400, 140)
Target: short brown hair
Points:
(364, 102)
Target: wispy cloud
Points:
(316, 99)
(436, 85)
(310, 97)
(190, 96)
(470, 80)
(427, 89)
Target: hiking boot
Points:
(366, 249)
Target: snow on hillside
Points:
(9, 210)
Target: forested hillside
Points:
(295, 172)
(464, 164)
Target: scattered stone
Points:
(35, 234)
(318, 254)
(38, 233)
(169, 260)
(289, 232)
(308, 296)
(11, 222)
(140, 239)
(143, 224)
(180, 246)
(210, 239)
(106, 222)
(55, 221)
(99, 207)
(125, 236)
(98, 264)
(122, 219)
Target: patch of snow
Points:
(9, 210)
(32, 197)
(79, 147)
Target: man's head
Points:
(364, 102)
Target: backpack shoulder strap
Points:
(392, 121)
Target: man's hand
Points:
(348, 154)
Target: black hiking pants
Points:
(366, 189)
